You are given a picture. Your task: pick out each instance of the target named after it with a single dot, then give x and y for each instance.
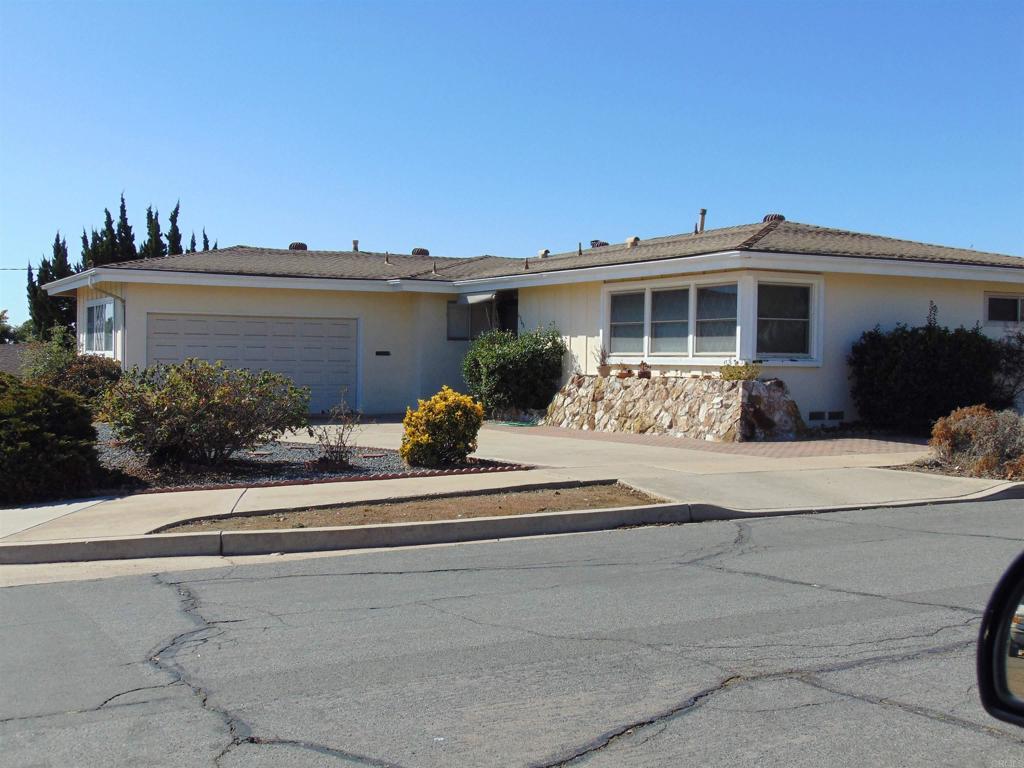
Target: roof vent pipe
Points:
(387, 257)
(355, 246)
(297, 247)
(700, 224)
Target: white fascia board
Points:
(162, 277)
(760, 260)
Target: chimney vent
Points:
(598, 243)
(355, 246)
(700, 223)
(632, 242)
(420, 252)
(543, 253)
(297, 246)
(773, 217)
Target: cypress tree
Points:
(32, 293)
(62, 309)
(153, 247)
(108, 240)
(174, 234)
(88, 258)
(214, 246)
(192, 244)
(206, 240)
(125, 237)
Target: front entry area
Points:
(319, 353)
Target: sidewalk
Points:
(751, 477)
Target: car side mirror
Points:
(1001, 648)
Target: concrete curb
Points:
(229, 543)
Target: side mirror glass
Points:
(1001, 648)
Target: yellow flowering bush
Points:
(442, 430)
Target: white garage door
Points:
(318, 353)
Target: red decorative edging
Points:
(345, 479)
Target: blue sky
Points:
(504, 128)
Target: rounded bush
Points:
(88, 376)
(509, 372)
(980, 441)
(906, 378)
(201, 413)
(442, 431)
(47, 443)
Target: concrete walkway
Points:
(751, 477)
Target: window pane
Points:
(670, 305)
(480, 317)
(627, 338)
(783, 337)
(1003, 310)
(716, 336)
(716, 303)
(458, 321)
(627, 307)
(90, 328)
(670, 337)
(785, 301)
(108, 329)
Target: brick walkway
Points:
(835, 446)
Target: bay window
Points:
(783, 320)
(716, 320)
(99, 327)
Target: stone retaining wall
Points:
(705, 408)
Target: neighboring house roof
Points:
(10, 358)
(778, 237)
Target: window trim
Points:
(746, 321)
(1003, 323)
(773, 356)
(113, 325)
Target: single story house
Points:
(389, 328)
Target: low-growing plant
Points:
(88, 376)
(44, 360)
(47, 443)
(505, 371)
(335, 438)
(201, 413)
(980, 441)
(442, 430)
(734, 370)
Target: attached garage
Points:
(319, 353)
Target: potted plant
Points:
(643, 371)
(624, 371)
(601, 358)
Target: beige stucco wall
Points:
(412, 327)
(852, 304)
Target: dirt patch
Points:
(595, 496)
(933, 466)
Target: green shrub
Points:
(980, 441)
(442, 431)
(506, 371)
(906, 378)
(201, 413)
(47, 443)
(88, 376)
(43, 361)
(737, 371)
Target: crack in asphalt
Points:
(827, 519)
(240, 732)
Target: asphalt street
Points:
(844, 639)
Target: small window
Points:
(468, 321)
(99, 327)
(716, 320)
(783, 319)
(627, 324)
(1004, 309)
(670, 321)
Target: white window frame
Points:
(86, 336)
(746, 319)
(790, 356)
(1004, 323)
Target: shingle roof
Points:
(772, 237)
(11, 357)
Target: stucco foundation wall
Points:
(412, 327)
(852, 304)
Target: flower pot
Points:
(643, 374)
(603, 371)
(624, 374)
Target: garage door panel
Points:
(315, 353)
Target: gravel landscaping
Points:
(274, 462)
(589, 496)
